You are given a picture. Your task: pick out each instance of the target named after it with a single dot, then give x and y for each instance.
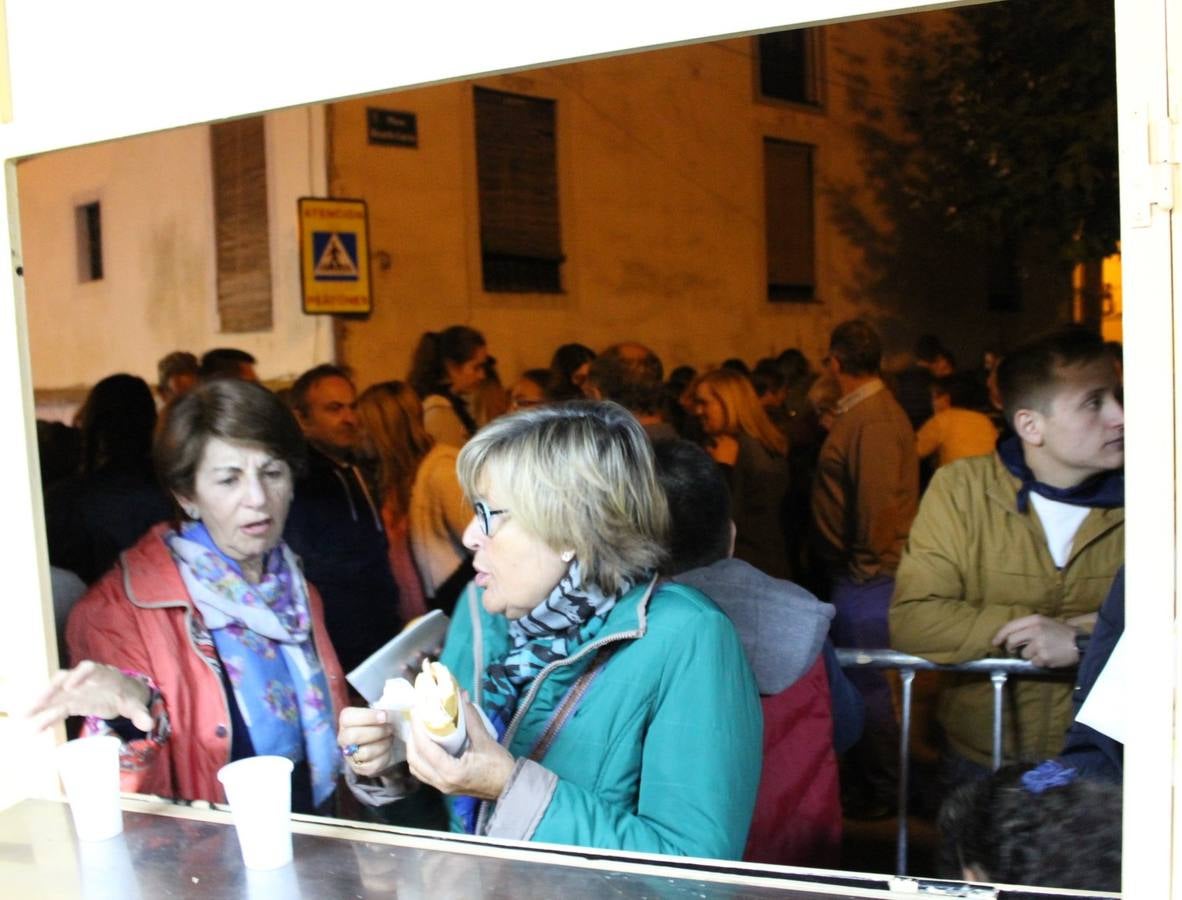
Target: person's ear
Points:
(1028, 425)
(300, 418)
(188, 507)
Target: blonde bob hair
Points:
(742, 411)
(580, 476)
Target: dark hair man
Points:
(176, 373)
(325, 404)
(809, 707)
(632, 375)
(335, 525)
(1013, 552)
(227, 362)
(913, 385)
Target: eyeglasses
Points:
(484, 515)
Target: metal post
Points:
(907, 676)
(999, 682)
(998, 670)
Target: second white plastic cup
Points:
(89, 769)
(259, 791)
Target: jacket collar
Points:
(1003, 490)
(627, 620)
(150, 576)
(853, 398)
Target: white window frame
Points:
(138, 82)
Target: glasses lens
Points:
(482, 515)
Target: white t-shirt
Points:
(1060, 521)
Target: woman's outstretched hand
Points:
(91, 689)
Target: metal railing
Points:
(998, 670)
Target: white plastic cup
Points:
(89, 769)
(259, 791)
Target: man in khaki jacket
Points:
(1012, 553)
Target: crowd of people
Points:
(646, 577)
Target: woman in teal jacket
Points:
(625, 712)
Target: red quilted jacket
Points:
(797, 819)
(137, 617)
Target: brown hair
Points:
(392, 417)
(428, 366)
(856, 346)
(1029, 377)
(239, 411)
(298, 397)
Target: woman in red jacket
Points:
(205, 644)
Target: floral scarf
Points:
(263, 634)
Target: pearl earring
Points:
(193, 513)
(567, 555)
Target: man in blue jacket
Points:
(335, 525)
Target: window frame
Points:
(814, 72)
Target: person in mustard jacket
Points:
(1014, 552)
(625, 711)
(205, 644)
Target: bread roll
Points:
(437, 699)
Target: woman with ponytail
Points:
(447, 365)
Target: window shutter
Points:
(788, 182)
(517, 178)
(238, 151)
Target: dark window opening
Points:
(89, 226)
(790, 237)
(517, 180)
(1004, 279)
(788, 66)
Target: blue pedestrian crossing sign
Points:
(335, 253)
(334, 256)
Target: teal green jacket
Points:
(662, 753)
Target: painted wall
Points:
(662, 208)
(158, 291)
(661, 197)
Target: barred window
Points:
(517, 179)
(239, 155)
